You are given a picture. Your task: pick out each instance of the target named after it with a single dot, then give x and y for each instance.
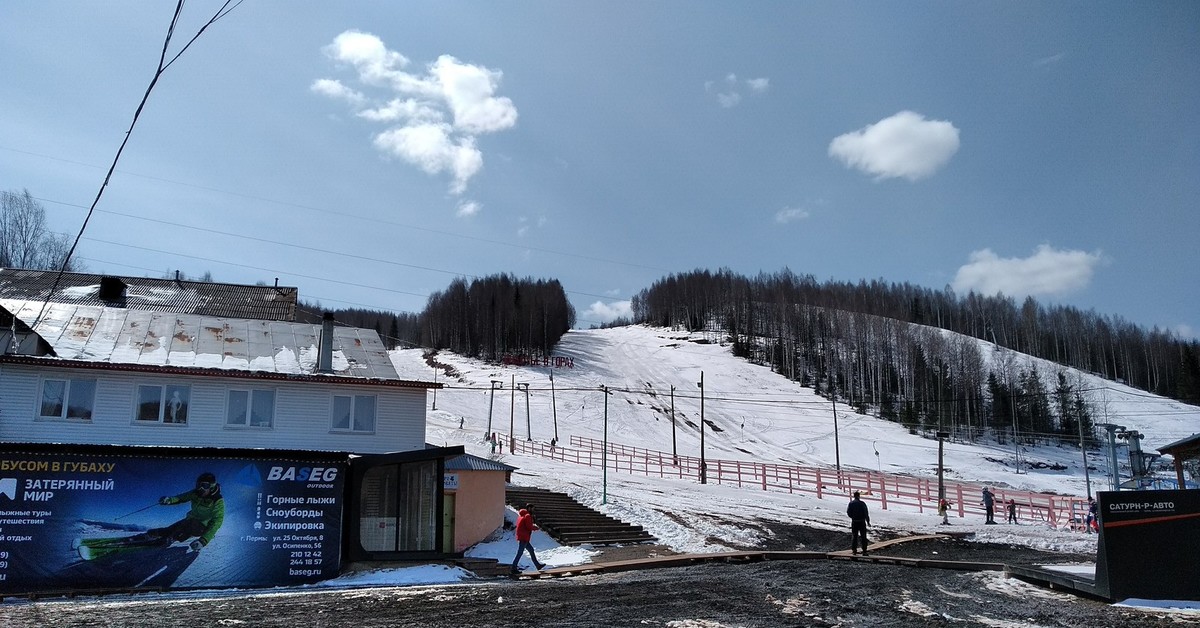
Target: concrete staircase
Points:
(484, 567)
(572, 523)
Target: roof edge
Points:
(213, 372)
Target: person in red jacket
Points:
(525, 528)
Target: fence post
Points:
(764, 472)
(819, 485)
(960, 502)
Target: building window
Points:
(354, 413)
(250, 408)
(163, 404)
(71, 398)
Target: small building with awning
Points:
(473, 490)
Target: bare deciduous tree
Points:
(25, 240)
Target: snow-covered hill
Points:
(755, 414)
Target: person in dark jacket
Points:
(859, 519)
(989, 505)
(1091, 524)
(525, 528)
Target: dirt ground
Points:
(709, 595)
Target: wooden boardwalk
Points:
(683, 560)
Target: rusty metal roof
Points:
(95, 334)
(223, 300)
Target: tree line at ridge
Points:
(879, 347)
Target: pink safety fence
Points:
(889, 490)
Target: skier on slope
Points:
(202, 520)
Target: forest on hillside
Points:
(492, 318)
(878, 346)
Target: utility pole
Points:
(512, 415)
(837, 449)
(604, 450)
(528, 425)
(1087, 478)
(1012, 405)
(941, 436)
(435, 370)
(674, 451)
(491, 402)
(703, 464)
(553, 407)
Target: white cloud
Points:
(431, 148)
(604, 312)
(406, 110)
(1046, 272)
(467, 209)
(434, 118)
(790, 214)
(904, 145)
(729, 94)
(1052, 59)
(335, 89)
(469, 90)
(1186, 332)
(376, 65)
(728, 100)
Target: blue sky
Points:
(368, 153)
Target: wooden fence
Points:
(889, 490)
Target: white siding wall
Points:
(302, 414)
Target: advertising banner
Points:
(1149, 541)
(77, 521)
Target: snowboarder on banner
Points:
(202, 520)
(525, 528)
(859, 519)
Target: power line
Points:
(290, 245)
(163, 64)
(355, 216)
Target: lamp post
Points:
(435, 388)
(703, 464)
(528, 427)
(491, 402)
